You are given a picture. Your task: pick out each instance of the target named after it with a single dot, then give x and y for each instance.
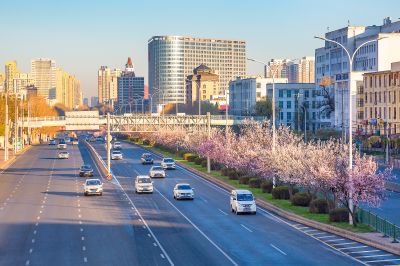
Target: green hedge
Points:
(281, 192)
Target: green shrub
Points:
(198, 160)
(244, 180)
(339, 215)
(192, 158)
(216, 166)
(225, 171)
(255, 182)
(319, 206)
(281, 192)
(267, 186)
(146, 142)
(301, 199)
(233, 175)
(204, 163)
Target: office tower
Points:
(173, 58)
(44, 77)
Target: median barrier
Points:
(98, 161)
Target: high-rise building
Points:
(173, 58)
(68, 89)
(301, 71)
(21, 81)
(331, 62)
(130, 88)
(108, 85)
(10, 73)
(278, 65)
(86, 101)
(203, 83)
(2, 81)
(44, 77)
(94, 101)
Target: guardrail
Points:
(380, 224)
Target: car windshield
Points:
(116, 152)
(184, 187)
(147, 156)
(86, 167)
(117, 143)
(144, 180)
(244, 197)
(64, 152)
(157, 168)
(168, 160)
(93, 182)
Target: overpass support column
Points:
(208, 137)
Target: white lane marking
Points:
(278, 249)
(82, 238)
(301, 228)
(33, 240)
(162, 256)
(353, 247)
(81, 229)
(373, 256)
(31, 250)
(323, 237)
(145, 223)
(144, 227)
(222, 212)
(148, 235)
(375, 261)
(85, 259)
(34, 232)
(246, 228)
(83, 248)
(155, 244)
(27, 262)
(38, 218)
(198, 229)
(344, 244)
(308, 231)
(333, 240)
(365, 251)
(36, 224)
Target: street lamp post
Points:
(350, 58)
(6, 131)
(274, 71)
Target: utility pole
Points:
(108, 145)
(15, 124)
(387, 143)
(22, 125)
(208, 137)
(6, 131)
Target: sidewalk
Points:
(11, 156)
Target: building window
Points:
(390, 113)
(280, 104)
(289, 93)
(258, 85)
(306, 94)
(288, 116)
(366, 97)
(288, 104)
(380, 97)
(394, 112)
(281, 93)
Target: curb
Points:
(291, 216)
(10, 161)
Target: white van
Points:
(243, 201)
(143, 183)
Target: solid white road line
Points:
(198, 229)
(376, 261)
(365, 251)
(279, 250)
(353, 247)
(323, 237)
(246, 228)
(373, 256)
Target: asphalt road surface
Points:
(46, 220)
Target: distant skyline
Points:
(83, 35)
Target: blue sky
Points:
(81, 35)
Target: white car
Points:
(93, 186)
(143, 183)
(242, 201)
(61, 146)
(75, 142)
(156, 171)
(63, 155)
(168, 163)
(117, 145)
(183, 191)
(68, 140)
(116, 155)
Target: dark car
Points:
(85, 170)
(147, 158)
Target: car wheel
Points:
(85, 193)
(237, 213)
(101, 194)
(254, 213)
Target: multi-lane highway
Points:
(46, 220)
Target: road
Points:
(244, 239)
(46, 220)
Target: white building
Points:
(332, 61)
(245, 92)
(294, 102)
(44, 77)
(21, 81)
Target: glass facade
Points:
(130, 90)
(173, 58)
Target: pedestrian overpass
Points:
(133, 122)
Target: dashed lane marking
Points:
(373, 256)
(362, 246)
(278, 249)
(224, 213)
(246, 228)
(377, 261)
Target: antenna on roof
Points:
(348, 22)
